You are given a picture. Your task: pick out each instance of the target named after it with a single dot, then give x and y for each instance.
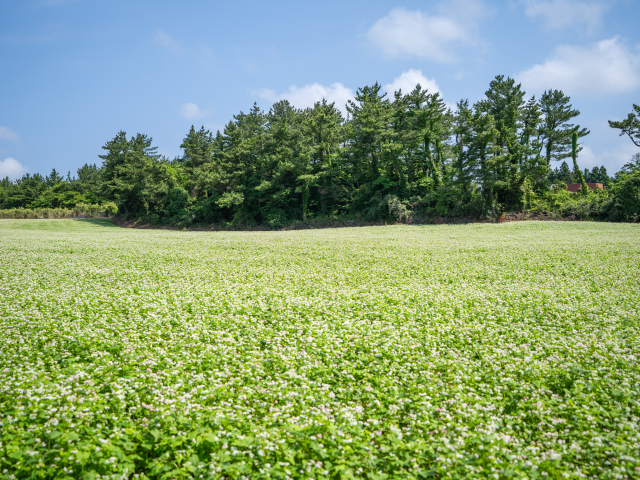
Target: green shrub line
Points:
(621, 204)
(80, 210)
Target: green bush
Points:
(627, 199)
(450, 201)
(81, 209)
(563, 203)
(177, 204)
(61, 195)
(396, 209)
(110, 208)
(276, 218)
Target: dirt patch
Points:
(542, 217)
(312, 225)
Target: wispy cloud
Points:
(305, 97)
(432, 36)
(608, 67)
(192, 111)
(556, 14)
(7, 134)
(10, 167)
(167, 42)
(614, 159)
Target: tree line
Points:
(391, 157)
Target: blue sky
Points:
(75, 72)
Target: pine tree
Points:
(23, 191)
(486, 154)
(431, 128)
(240, 160)
(132, 175)
(394, 146)
(556, 130)
(534, 167)
(418, 164)
(564, 174)
(504, 102)
(325, 180)
(633, 165)
(284, 162)
(370, 112)
(197, 161)
(54, 178)
(463, 162)
(630, 126)
(89, 176)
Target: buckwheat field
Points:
(474, 351)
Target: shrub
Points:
(81, 209)
(177, 202)
(627, 198)
(396, 209)
(276, 218)
(110, 208)
(591, 205)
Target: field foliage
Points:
(476, 351)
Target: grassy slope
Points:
(382, 352)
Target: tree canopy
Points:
(391, 154)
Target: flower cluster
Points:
(473, 351)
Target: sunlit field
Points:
(474, 351)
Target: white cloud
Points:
(588, 159)
(7, 134)
(613, 160)
(563, 13)
(606, 68)
(191, 111)
(415, 33)
(167, 42)
(10, 167)
(408, 80)
(305, 97)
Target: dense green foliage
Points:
(398, 159)
(563, 174)
(52, 191)
(477, 351)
